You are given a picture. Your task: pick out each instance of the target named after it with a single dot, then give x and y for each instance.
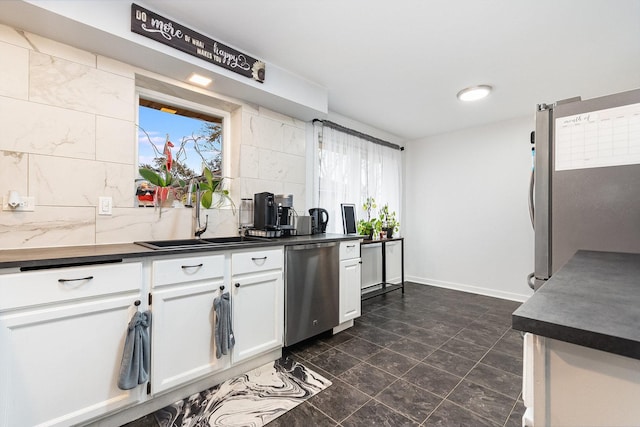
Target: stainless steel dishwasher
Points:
(312, 292)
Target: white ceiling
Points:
(397, 65)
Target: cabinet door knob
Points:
(222, 288)
(237, 285)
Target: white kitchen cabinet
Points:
(570, 385)
(350, 279)
(62, 334)
(257, 301)
(183, 323)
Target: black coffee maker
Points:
(319, 220)
(286, 220)
(265, 212)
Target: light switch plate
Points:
(27, 204)
(105, 205)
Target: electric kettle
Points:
(319, 220)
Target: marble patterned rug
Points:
(252, 399)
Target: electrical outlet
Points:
(27, 204)
(105, 205)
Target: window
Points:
(178, 137)
(349, 169)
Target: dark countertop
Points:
(91, 254)
(592, 301)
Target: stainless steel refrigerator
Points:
(587, 179)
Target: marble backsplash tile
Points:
(281, 167)
(294, 141)
(13, 36)
(140, 224)
(250, 186)
(249, 161)
(47, 226)
(59, 50)
(113, 140)
(14, 69)
(14, 167)
(63, 83)
(59, 181)
(115, 67)
(43, 129)
(279, 117)
(262, 132)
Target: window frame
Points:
(225, 117)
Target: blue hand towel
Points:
(224, 334)
(134, 368)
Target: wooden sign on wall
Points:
(169, 33)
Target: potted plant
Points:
(388, 220)
(213, 193)
(371, 226)
(164, 185)
(162, 177)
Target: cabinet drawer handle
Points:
(237, 285)
(193, 266)
(259, 259)
(351, 246)
(75, 280)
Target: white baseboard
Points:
(469, 288)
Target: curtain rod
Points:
(359, 134)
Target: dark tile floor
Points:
(430, 357)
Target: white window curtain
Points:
(348, 169)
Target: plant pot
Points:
(367, 236)
(389, 232)
(163, 197)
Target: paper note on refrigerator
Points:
(609, 137)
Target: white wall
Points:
(466, 218)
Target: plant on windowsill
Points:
(372, 226)
(162, 179)
(214, 195)
(389, 221)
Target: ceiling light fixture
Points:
(200, 80)
(168, 110)
(474, 93)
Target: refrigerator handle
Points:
(532, 181)
(532, 210)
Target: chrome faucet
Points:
(198, 228)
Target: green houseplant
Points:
(371, 226)
(389, 221)
(213, 193)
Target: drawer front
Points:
(187, 269)
(254, 261)
(350, 249)
(67, 284)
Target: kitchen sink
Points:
(199, 243)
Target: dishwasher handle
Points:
(312, 246)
